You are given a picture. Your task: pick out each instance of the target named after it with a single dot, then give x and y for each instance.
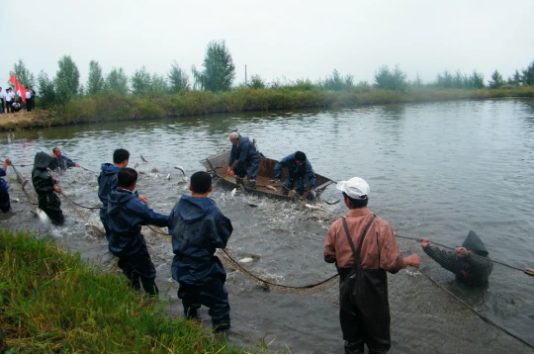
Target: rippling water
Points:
(435, 170)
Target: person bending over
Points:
(300, 171)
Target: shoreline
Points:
(111, 107)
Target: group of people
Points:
(12, 102)
(362, 246)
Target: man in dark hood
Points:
(43, 184)
(108, 181)
(126, 213)
(247, 159)
(198, 228)
(468, 262)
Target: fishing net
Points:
(430, 311)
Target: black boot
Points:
(239, 181)
(354, 347)
(251, 184)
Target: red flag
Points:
(18, 87)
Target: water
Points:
(436, 170)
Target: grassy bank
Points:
(111, 107)
(53, 302)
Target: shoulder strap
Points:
(355, 253)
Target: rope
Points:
(77, 204)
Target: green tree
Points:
(516, 79)
(95, 82)
(219, 70)
(337, 82)
(159, 84)
(476, 80)
(141, 82)
(117, 82)
(178, 79)
(390, 80)
(24, 76)
(528, 75)
(67, 81)
(47, 92)
(256, 82)
(496, 80)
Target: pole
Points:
(246, 83)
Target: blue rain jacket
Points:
(3, 184)
(295, 172)
(107, 182)
(126, 214)
(245, 153)
(197, 227)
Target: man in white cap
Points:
(248, 160)
(364, 248)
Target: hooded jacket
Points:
(198, 227)
(41, 178)
(107, 182)
(126, 214)
(295, 171)
(3, 184)
(470, 270)
(243, 153)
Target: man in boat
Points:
(108, 181)
(300, 171)
(198, 228)
(43, 183)
(248, 160)
(126, 213)
(468, 262)
(62, 161)
(364, 248)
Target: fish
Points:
(180, 168)
(155, 170)
(233, 192)
(43, 217)
(252, 204)
(333, 202)
(246, 260)
(168, 177)
(15, 199)
(143, 159)
(312, 207)
(270, 187)
(413, 273)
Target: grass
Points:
(112, 107)
(53, 302)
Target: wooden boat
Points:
(218, 164)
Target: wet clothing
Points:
(126, 214)
(198, 228)
(64, 162)
(471, 270)
(5, 203)
(107, 182)
(298, 174)
(248, 159)
(364, 318)
(43, 183)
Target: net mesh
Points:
(498, 318)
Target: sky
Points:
(285, 40)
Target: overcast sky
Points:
(275, 39)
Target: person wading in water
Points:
(364, 248)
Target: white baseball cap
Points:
(356, 188)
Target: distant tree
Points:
(417, 83)
(256, 82)
(476, 80)
(337, 82)
(24, 76)
(516, 79)
(445, 80)
(67, 81)
(81, 90)
(458, 82)
(219, 70)
(117, 82)
(47, 92)
(178, 79)
(141, 82)
(390, 80)
(528, 75)
(496, 80)
(95, 83)
(159, 84)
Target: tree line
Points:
(218, 74)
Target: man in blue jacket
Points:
(5, 202)
(248, 160)
(300, 171)
(107, 181)
(62, 161)
(198, 227)
(127, 212)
